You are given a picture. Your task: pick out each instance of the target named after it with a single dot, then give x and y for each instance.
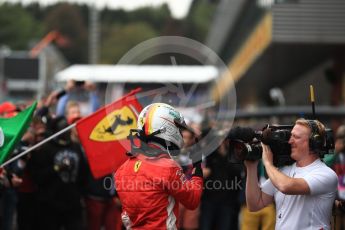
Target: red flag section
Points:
(104, 133)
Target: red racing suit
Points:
(150, 190)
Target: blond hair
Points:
(320, 127)
(71, 104)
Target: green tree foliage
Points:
(120, 39)
(36, 11)
(120, 30)
(67, 19)
(156, 17)
(85, 11)
(123, 30)
(109, 16)
(18, 27)
(199, 19)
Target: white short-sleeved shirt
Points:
(305, 211)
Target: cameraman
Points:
(303, 192)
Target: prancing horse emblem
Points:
(118, 121)
(115, 125)
(137, 166)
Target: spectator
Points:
(71, 87)
(339, 168)
(10, 180)
(188, 219)
(27, 216)
(103, 207)
(58, 169)
(220, 200)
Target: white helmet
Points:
(162, 120)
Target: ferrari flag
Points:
(103, 134)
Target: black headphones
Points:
(316, 141)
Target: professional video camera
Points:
(245, 144)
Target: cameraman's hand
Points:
(267, 155)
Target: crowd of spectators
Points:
(52, 187)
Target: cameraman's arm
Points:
(255, 198)
(285, 184)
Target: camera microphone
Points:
(245, 134)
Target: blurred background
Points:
(47, 38)
(273, 48)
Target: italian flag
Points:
(12, 129)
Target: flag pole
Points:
(38, 145)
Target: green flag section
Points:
(12, 129)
